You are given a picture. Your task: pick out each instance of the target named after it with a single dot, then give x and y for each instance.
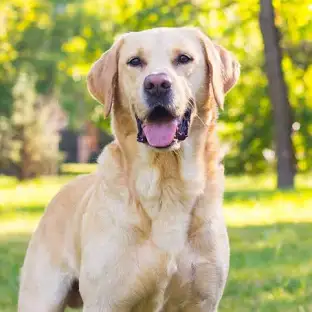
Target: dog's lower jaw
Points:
(181, 133)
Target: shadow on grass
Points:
(261, 194)
(271, 269)
(18, 212)
(34, 209)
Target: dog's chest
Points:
(177, 287)
(168, 201)
(158, 267)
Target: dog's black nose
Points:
(157, 84)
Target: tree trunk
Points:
(279, 98)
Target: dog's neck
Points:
(149, 170)
(167, 185)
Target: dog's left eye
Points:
(135, 62)
(184, 59)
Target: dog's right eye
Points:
(135, 62)
(184, 59)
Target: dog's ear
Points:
(102, 77)
(223, 68)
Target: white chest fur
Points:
(169, 201)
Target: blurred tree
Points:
(279, 98)
(28, 139)
(23, 26)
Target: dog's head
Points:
(164, 77)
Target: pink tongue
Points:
(160, 134)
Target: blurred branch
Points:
(301, 54)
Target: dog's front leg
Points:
(121, 277)
(97, 308)
(209, 269)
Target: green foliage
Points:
(269, 232)
(29, 143)
(59, 40)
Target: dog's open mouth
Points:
(161, 128)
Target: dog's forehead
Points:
(157, 40)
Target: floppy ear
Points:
(223, 68)
(102, 77)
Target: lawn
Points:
(270, 233)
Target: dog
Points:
(146, 231)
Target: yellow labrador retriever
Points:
(146, 231)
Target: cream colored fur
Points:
(146, 231)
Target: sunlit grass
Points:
(270, 233)
(254, 200)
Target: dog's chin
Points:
(162, 129)
(175, 145)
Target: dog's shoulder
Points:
(72, 191)
(110, 160)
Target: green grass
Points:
(270, 233)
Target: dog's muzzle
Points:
(162, 129)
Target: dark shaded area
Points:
(69, 145)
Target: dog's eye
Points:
(183, 59)
(135, 62)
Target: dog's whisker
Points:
(177, 153)
(192, 105)
(205, 124)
